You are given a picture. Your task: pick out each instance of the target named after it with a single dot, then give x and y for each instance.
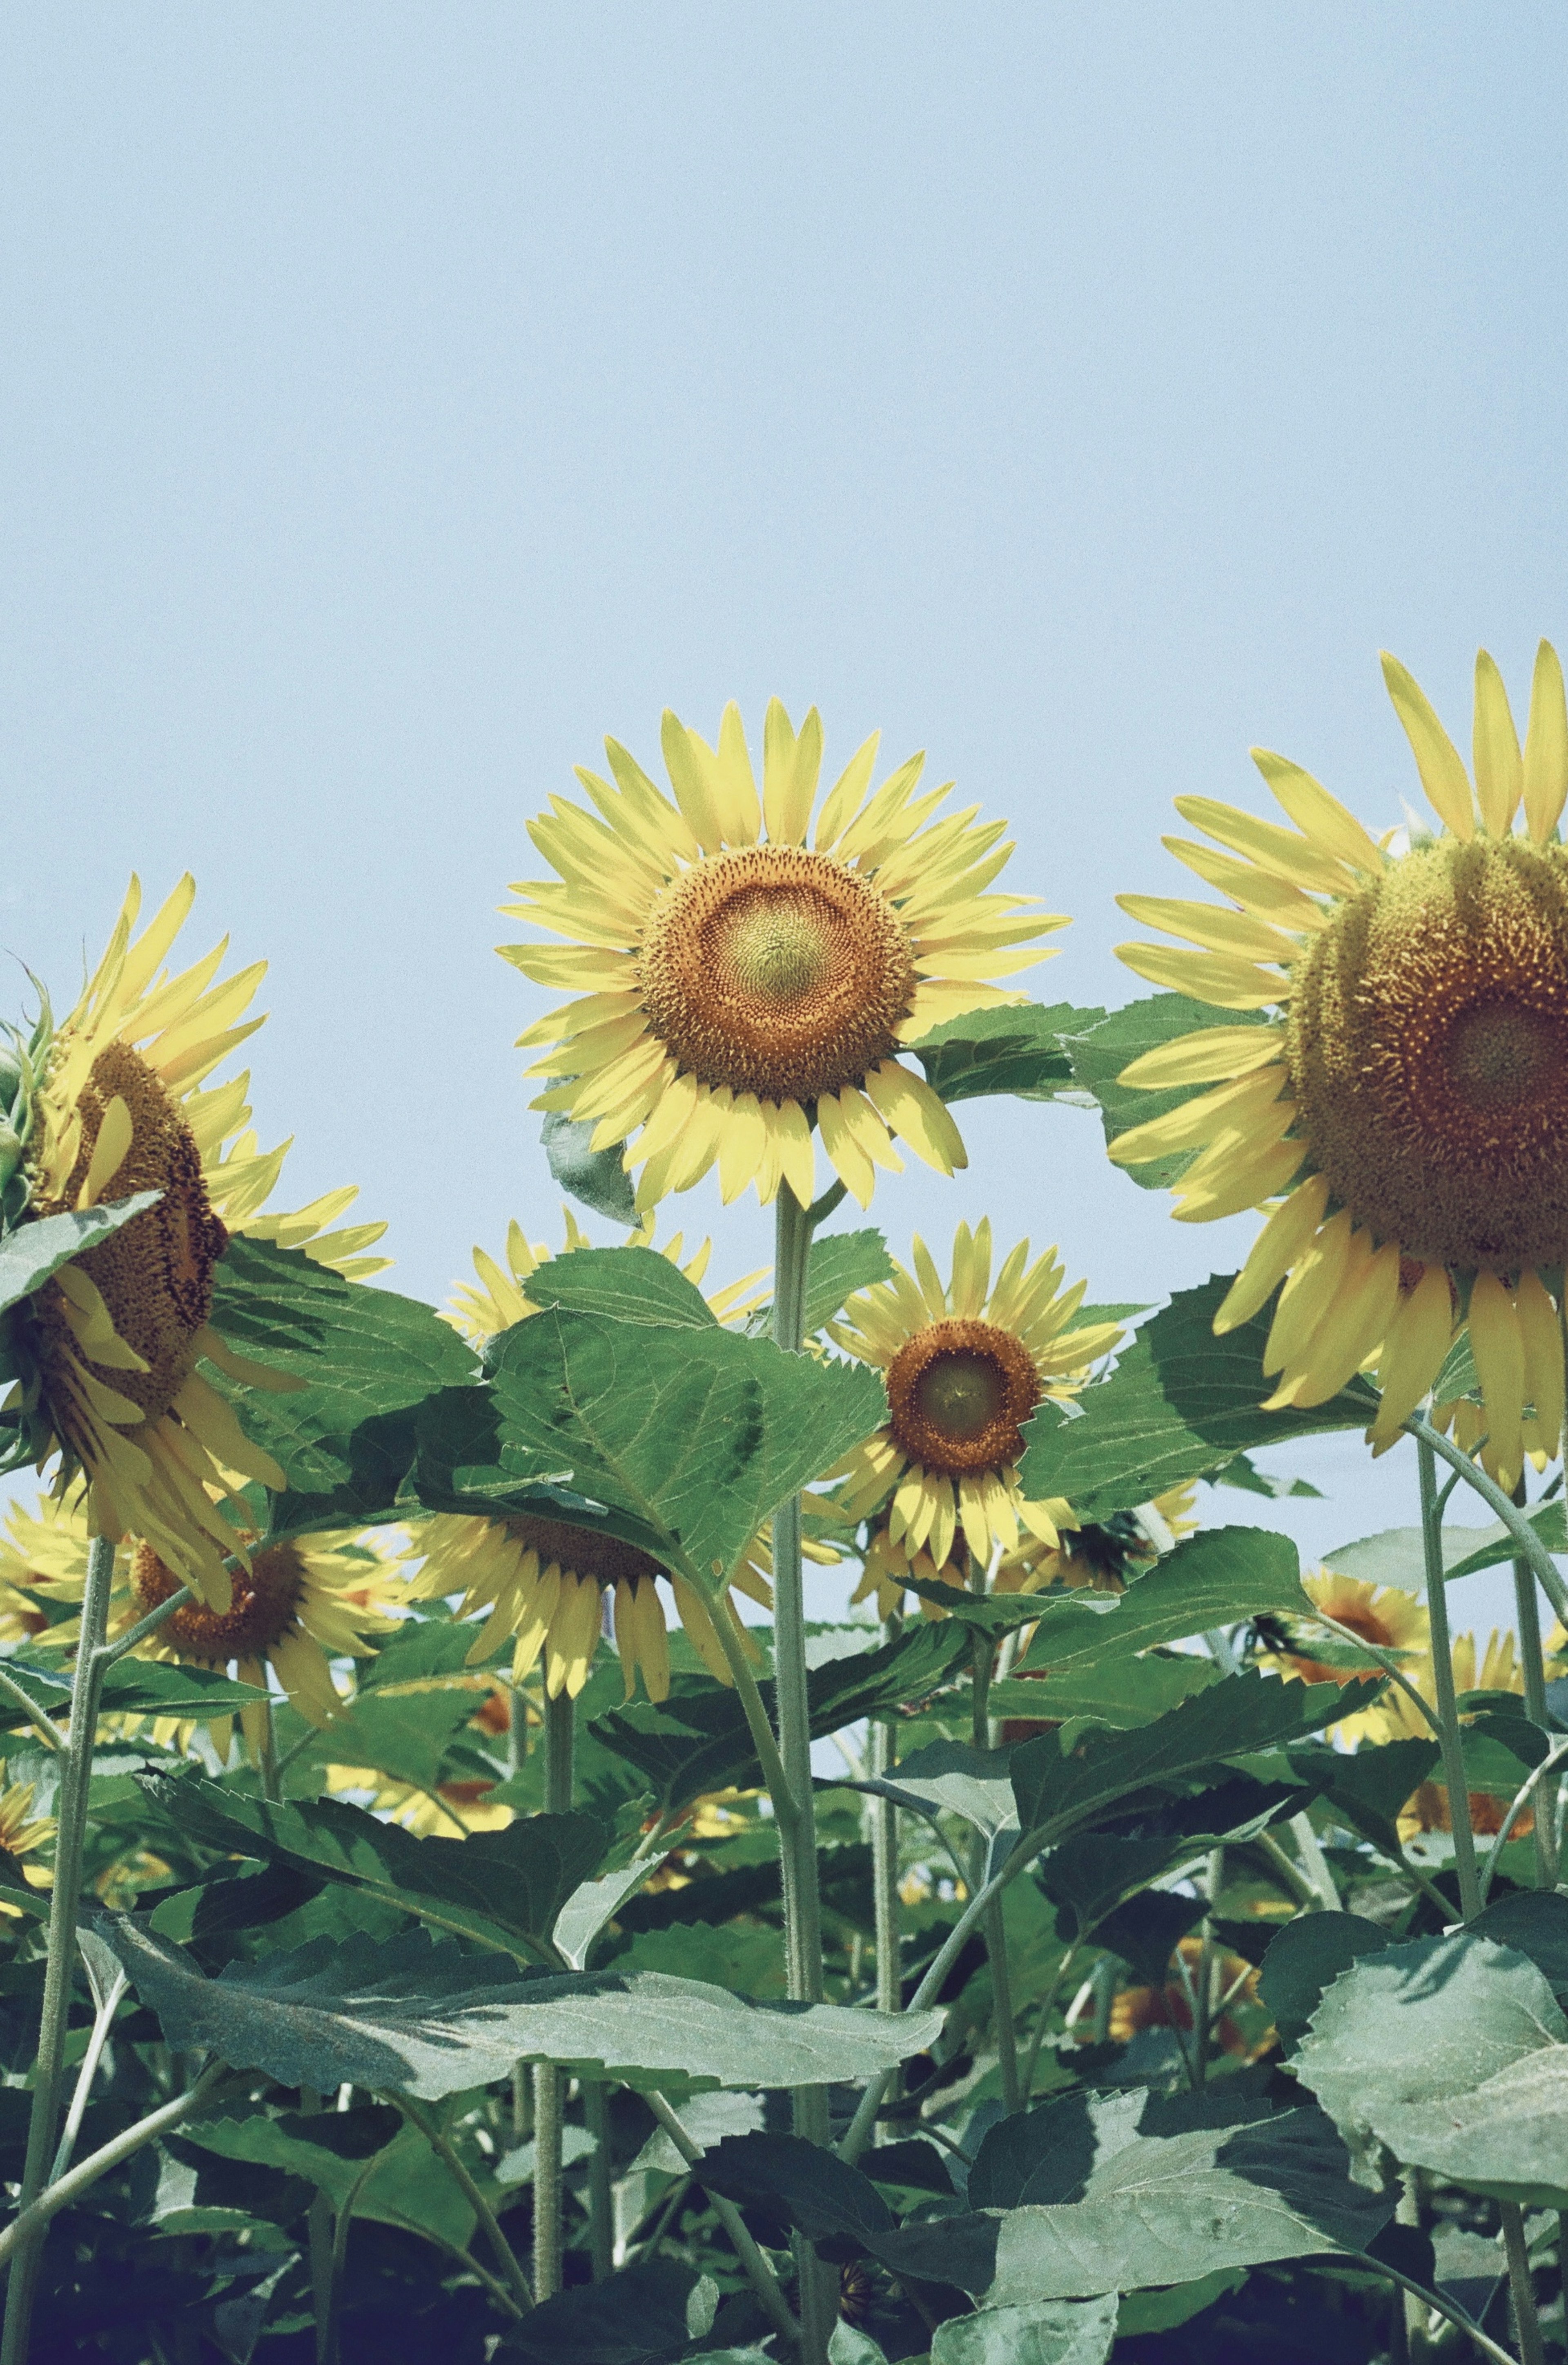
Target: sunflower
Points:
(1396, 1717)
(109, 1347)
(1404, 1114)
(1381, 1614)
(295, 1606)
(1102, 1554)
(20, 1832)
(43, 1551)
(546, 1580)
(1137, 2008)
(451, 1811)
(733, 987)
(963, 1370)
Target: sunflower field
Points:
(454, 1903)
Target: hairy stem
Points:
(75, 1781)
(328, 2342)
(85, 2075)
(446, 2151)
(1449, 1736)
(24, 2230)
(601, 2199)
(885, 1856)
(995, 1929)
(549, 2082)
(1521, 2291)
(1527, 1607)
(763, 2280)
(1503, 1508)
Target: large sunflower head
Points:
(735, 988)
(1403, 1113)
(966, 1365)
(296, 1606)
(108, 1352)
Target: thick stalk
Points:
(23, 2229)
(332, 2347)
(1502, 1506)
(76, 1782)
(1315, 1863)
(266, 1759)
(798, 1849)
(1527, 1608)
(319, 2234)
(1206, 2014)
(1527, 2325)
(995, 1929)
(1449, 1735)
(763, 2280)
(885, 1857)
(446, 2151)
(549, 2082)
(601, 2198)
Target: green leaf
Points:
(1143, 1929)
(1454, 2053)
(596, 1902)
(409, 2187)
(746, 1957)
(503, 1889)
(1162, 2311)
(982, 1613)
(1211, 1579)
(696, 1432)
(841, 1263)
(369, 1358)
(231, 1899)
(1306, 1957)
(164, 1687)
(417, 2016)
(1398, 1556)
(406, 1735)
(1368, 1788)
(828, 2201)
(1120, 1691)
(34, 1250)
(630, 1284)
(1041, 2332)
(1111, 2192)
(948, 1777)
(596, 1177)
(1017, 1050)
(698, 1740)
(645, 2315)
(1056, 1790)
(1180, 1404)
(1535, 1924)
(1243, 1473)
(1495, 1544)
(1100, 1053)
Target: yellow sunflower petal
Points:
(917, 1115)
(1438, 760)
(1419, 1340)
(1546, 747)
(1214, 1055)
(1542, 1335)
(1229, 983)
(1283, 1238)
(1496, 1341)
(1499, 771)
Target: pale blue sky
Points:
(394, 400)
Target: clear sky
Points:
(395, 399)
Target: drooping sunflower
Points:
(108, 1351)
(1103, 1555)
(735, 988)
(964, 1370)
(1403, 1114)
(296, 1606)
(545, 1579)
(1384, 1614)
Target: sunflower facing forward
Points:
(733, 989)
(113, 1105)
(1405, 1116)
(963, 1370)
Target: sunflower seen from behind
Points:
(966, 1363)
(735, 990)
(1403, 1114)
(115, 1101)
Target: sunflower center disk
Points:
(604, 1559)
(957, 1391)
(155, 1273)
(1428, 1046)
(775, 971)
(263, 1608)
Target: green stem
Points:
(549, 2082)
(331, 2348)
(1441, 2304)
(272, 1780)
(1315, 1863)
(1449, 1739)
(148, 1625)
(1527, 2325)
(47, 1732)
(108, 2008)
(318, 2244)
(1526, 1609)
(601, 2199)
(75, 1783)
(786, 1813)
(995, 1929)
(1042, 2019)
(1502, 1506)
(24, 2230)
(797, 1848)
(885, 1857)
(440, 2143)
(763, 2280)
(1207, 2012)
(1542, 1777)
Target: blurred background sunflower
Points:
(1404, 1116)
(737, 989)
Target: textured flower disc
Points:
(265, 1609)
(584, 1550)
(777, 971)
(1403, 1121)
(1428, 1051)
(958, 1395)
(155, 1273)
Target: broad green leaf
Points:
(841, 1263)
(503, 1889)
(628, 1285)
(404, 1735)
(1211, 1579)
(1398, 1556)
(409, 2187)
(1119, 1691)
(594, 1903)
(983, 1613)
(698, 1740)
(34, 1250)
(948, 1777)
(596, 1177)
(136, 1686)
(1180, 1404)
(1306, 1957)
(1143, 1929)
(696, 1432)
(849, 2346)
(1056, 1790)
(1162, 2311)
(1017, 1050)
(369, 1358)
(647, 2314)
(831, 2203)
(1100, 1053)
(232, 1898)
(707, 2119)
(1454, 2053)
(1041, 2332)
(1116, 2191)
(416, 2016)
(1535, 1924)
(1495, 1544)
(746, 1957)
(1368, 1788)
